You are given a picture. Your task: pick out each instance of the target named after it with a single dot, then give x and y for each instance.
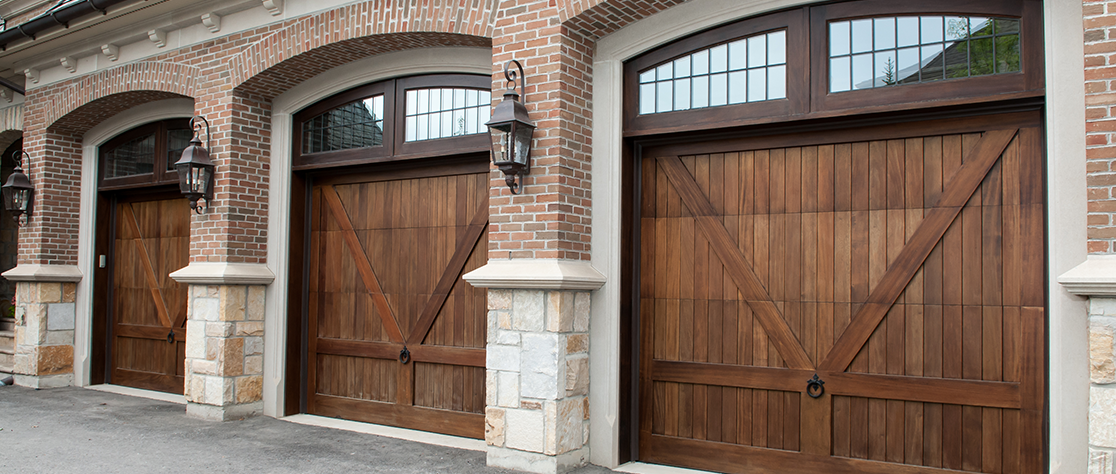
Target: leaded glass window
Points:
(177, 140)
(752, 69)
(444, 112)
(881, 52)
(358, 124)
(134, 157)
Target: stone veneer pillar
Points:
(1096, 280)
(224, 339)
(537, 405)
(44, 331)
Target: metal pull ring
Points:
(815, 387)
(404, 356)
(170, 337)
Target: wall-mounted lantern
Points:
(18, 191)
(195, 169)
(510, 130)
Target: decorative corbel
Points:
(69, 63)
(274, 7)
(158, 36)
(32, 75)
(111, 50)
(212, 21)
(6, 94)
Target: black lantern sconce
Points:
(18, 191)
(510, 130)
(195, 169)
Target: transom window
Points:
(144, 155)
(405, 118)
(358, 124)
(752, 69)
(881, 52)
(837, 58)
(443, 112)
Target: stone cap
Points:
(1096, 276)
(533, 273)
(35, 272)
(220, 273)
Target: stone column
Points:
(44, 334)
(537, 404)
(1102, 389)
(224, 351)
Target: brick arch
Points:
(11, 119)
(304, 47)
(597, 18)
(98, 96)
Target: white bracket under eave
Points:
(69, 63)
(32, 75)
(6, 94)
(158, 36)
(274, 7)
(212, 21)
(111, 51)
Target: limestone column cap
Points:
(546, 274)
(1096, 276)
(35, 272)
(219, 273)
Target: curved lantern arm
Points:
(513, 78)
(197, 130)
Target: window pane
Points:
(648, 76)
(681, 94)
(665, 72)
(1007, 53)
(411, 105)
(682, 67)
(932, 63)
(885, 69)
(885, 33)
(700, 92)
(777, 47)
(907, 31)
(177, 140)
(931, 29)
(700, 62)
(839, 38)
(358, 124)
(776, 82)
(757, 85)
(665, 102)
(131, 158)
(738, 55)
(718, 59)
(957, 60)
(647, 98)
(956, 28)
(861, 36)
(840, 72)
(908, 65)
(718, 89)
(738, 87)
(757, 51)
(862, 71)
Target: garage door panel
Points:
(389, 291)
(913, 290)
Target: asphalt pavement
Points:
(76, 430)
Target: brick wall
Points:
(1100, 113)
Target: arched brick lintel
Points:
(11, 119)
(81, 105)
(265, 68)
(597, 18)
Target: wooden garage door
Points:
(152, 239)
(387, 254)
(901, 264)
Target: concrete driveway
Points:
(90, 431)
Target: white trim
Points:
(380, 67)
(43, 273)
(389, 432)
(536, 274)
(139, 392)
(209, 273)
(87, 218)
(1065, 138)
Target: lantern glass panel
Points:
(499, 136)
(522, 144)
